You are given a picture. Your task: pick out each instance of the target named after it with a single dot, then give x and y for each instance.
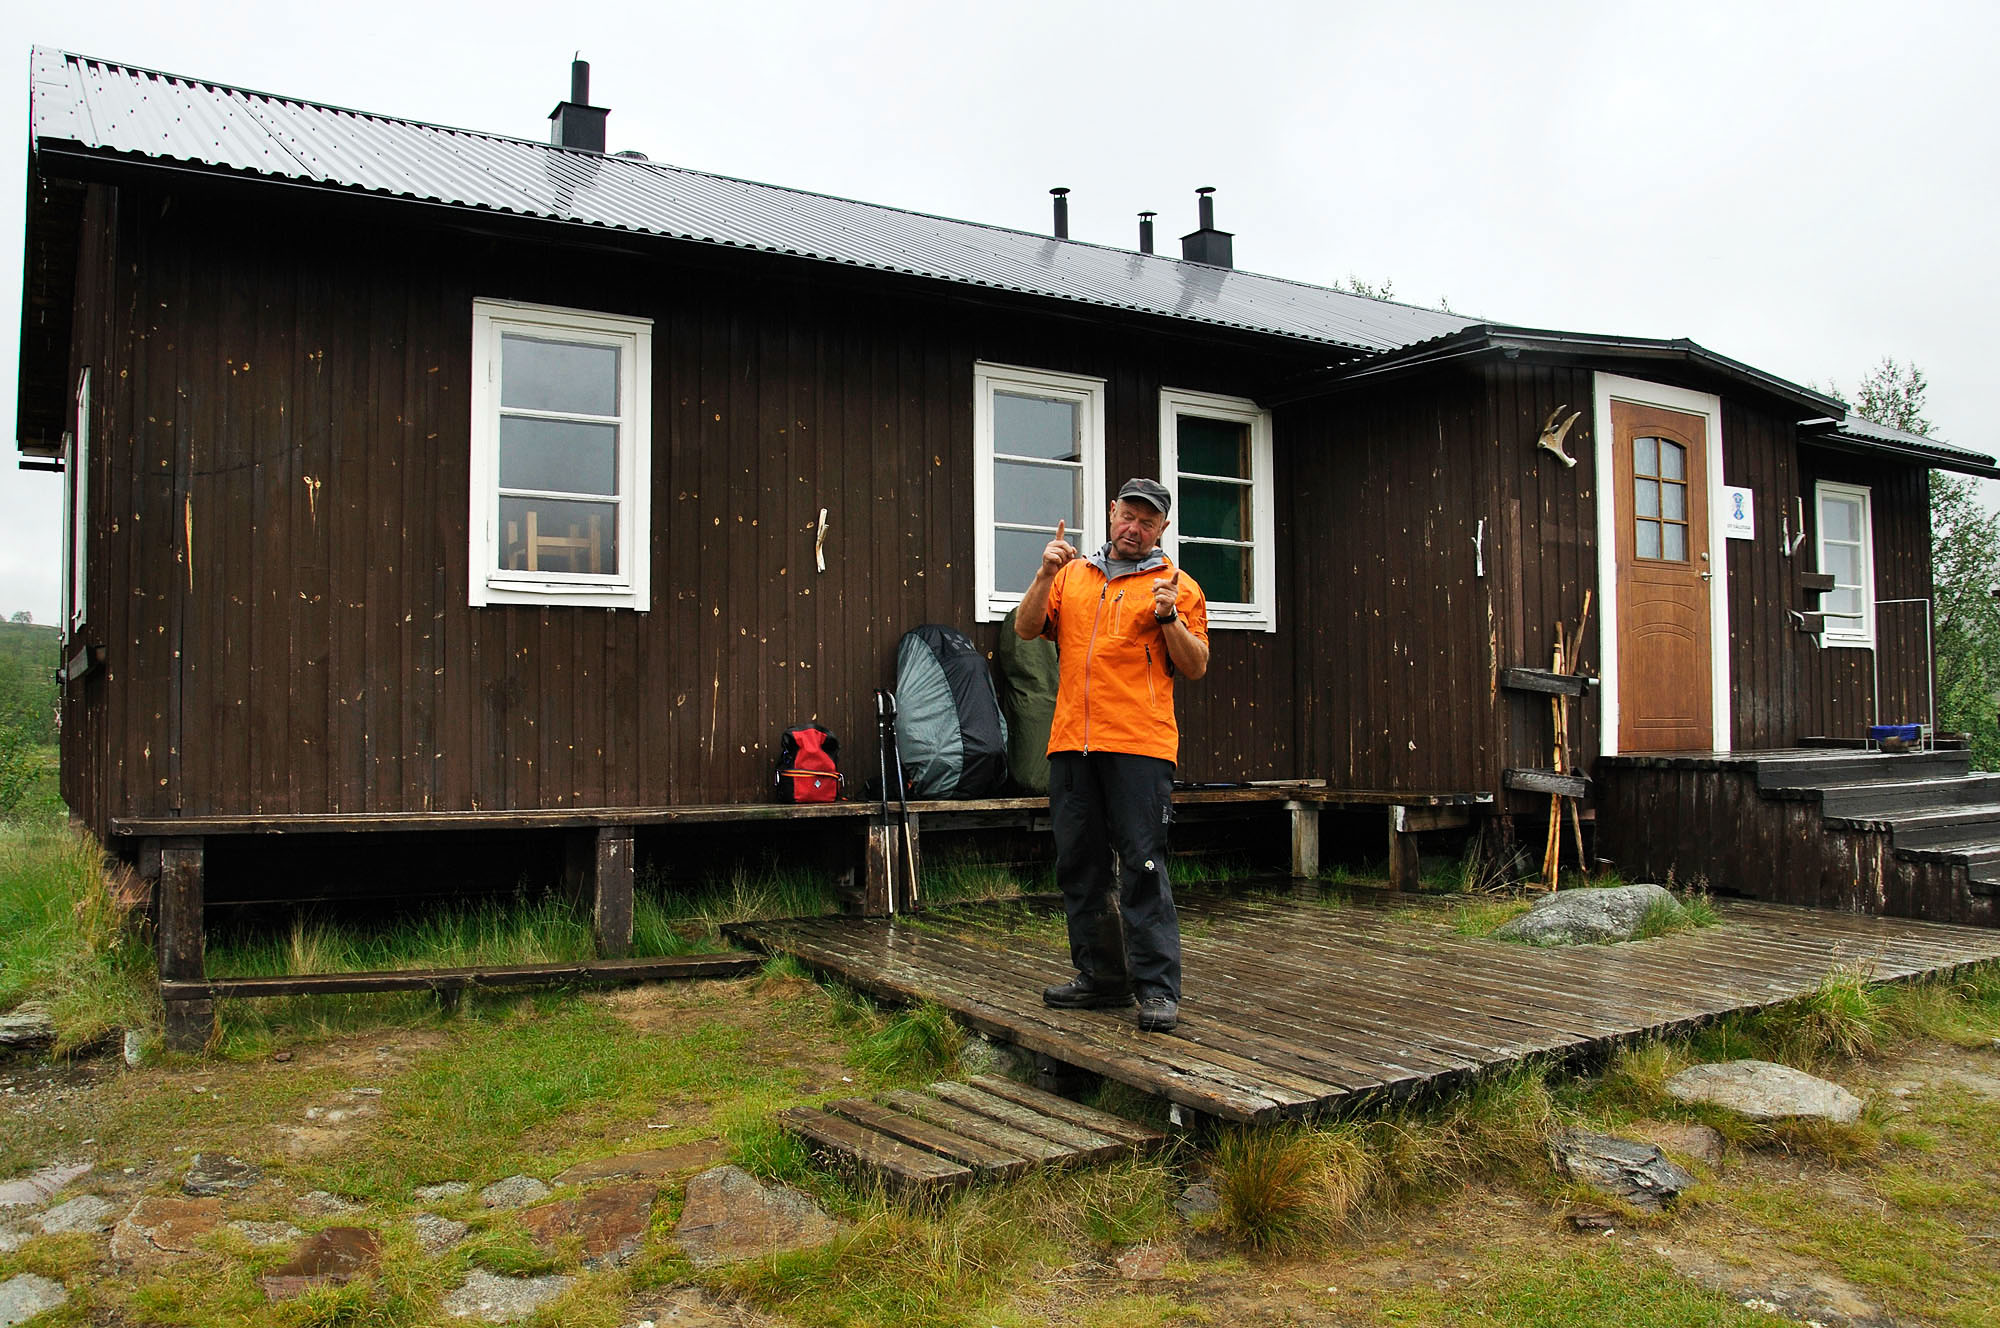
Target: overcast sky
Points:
(1805, 187)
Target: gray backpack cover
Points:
(949, 731)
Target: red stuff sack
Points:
(806, 770)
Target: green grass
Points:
(662, 909)
(1579, 1286)
(64, 939)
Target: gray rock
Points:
(1763, 1091)
(1198, 1200)
(437, 1234)
(38, 1187)
(25, 1295)
(513, 1192)
(266, 1235)
(1637, 1173)
(320, 1203)
(1586, 917)
(13, 1238)
(134, 1048)
(333, 1257)
(1002, 1060)
(27, 1028)
(731, 1215)
(213, 1174)
(494, 1299)
(1700, 1142)
(86, 1212)
(450, 1189)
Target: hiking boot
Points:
(1087, 993)
(1159, 1014)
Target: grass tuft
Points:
(67, 937)
(916, 1046)
(1844, 1017)
(1290, 1189)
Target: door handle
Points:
(1706, 576)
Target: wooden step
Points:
(1907, 795)
(1833, 769)
(1977, 822)
(951, 1133)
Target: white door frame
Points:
(1610, 387)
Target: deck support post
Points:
(598, 868)
(878, 870)
(1305, 839)
(1404, 867)
(183, 942)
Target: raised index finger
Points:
(1061, 526)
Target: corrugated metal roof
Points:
(1875, 436)
(118, 110)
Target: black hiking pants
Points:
(1102, 803)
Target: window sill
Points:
(558, 596)
(1845, 643)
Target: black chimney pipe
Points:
(1062, 212)
(1209, 245)
(1146, 232)
(579, 82)
(576, 123)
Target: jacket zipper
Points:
(1152, 698)
(1088, 654)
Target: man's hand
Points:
(1166, 593)
(1059, 551)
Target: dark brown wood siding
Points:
(285, 468)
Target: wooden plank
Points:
(1139, 1136)
(977, 1126)
(983, 1158)
(894, 1162)
(452, 979)
(1547, 781)
(1545, 682)
(1085, 1145)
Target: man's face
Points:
(1135, 528)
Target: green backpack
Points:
(1028, 699)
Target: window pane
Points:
(557, 535)
(1645, 456)
(558, 375)
(1646, 494)
(1222, 570)
(1649, 539)
(1215, 511)
(1847, 601)
(1035, 427)
(1676, 550)
(557, 454)
(1840, 518)
(1673, 461)
(1844, 561)
(1036, 495)
(1017, 556)
(1214, 447)
(1673, 501)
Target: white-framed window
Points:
(561, 456)
(1215, 459)
(76, 513)
(1038, 445)
(1847, 550)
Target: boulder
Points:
(493, 1299)
(1198, 1200)
(1587, 917)
(25, 1295)
(514, 1192)
(1763, 1091)
(1699, 1142)
(611, 1222)
(1637, 1173)
(38, 1187)
(437, 1234)
(163, 1227)
(86, 1212)
(731, 1215)
(652, 1164)
(328, 1258)
(212, 1174)
(27, 1028)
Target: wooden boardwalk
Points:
(1291, 1006)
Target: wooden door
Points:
(1660, 493)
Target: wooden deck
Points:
(1292, 1006)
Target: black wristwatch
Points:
(1169, 618)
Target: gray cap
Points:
(1151, 492)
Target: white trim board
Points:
(1607, 388)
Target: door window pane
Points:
(1673, 461)
(1646, 496)
(1674, 542)
(1673, 501)
(1649, 539)
(564, 376)
(1044, 427)
(1645, 456)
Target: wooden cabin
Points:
(437, 482)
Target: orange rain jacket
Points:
(1116, 688)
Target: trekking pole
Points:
(907, 847)
(885, 714)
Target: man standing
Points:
(1127, 622)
